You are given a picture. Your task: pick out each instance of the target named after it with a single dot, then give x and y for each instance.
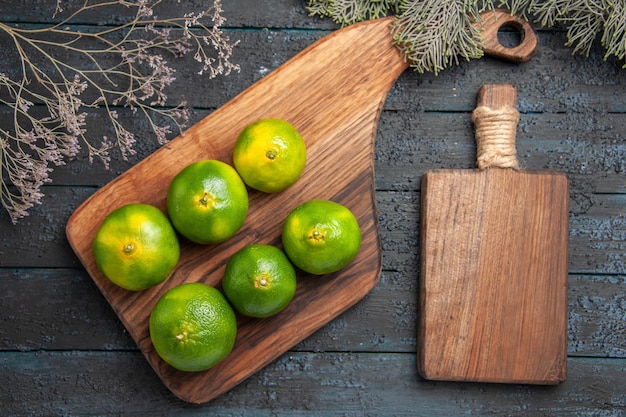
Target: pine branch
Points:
(585, 20)
(614, 37)
(436, 34)
(347, 12)
(584, 26)
(433, 34)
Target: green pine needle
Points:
(434, 34)
(347, 12)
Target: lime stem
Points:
(205, 199)
(317, 235)
(261, 281)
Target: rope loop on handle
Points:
(495, 137)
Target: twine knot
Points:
(495, 136)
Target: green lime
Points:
(270, 155)
(321, 236)
(192, 327)
(207, 202)
(259, 280)
(136, 246)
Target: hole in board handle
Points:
(493, 21)
(511, 35)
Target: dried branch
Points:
(123, 65)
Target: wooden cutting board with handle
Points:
(333, 93)
(494, 244)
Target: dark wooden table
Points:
(64, 352)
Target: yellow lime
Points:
(192, 327)
(136, 246)
(259, 280)
(207, 201)
(321, 236)
(270, 155)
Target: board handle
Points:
(495, 119)
(492, 21)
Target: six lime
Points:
(193, 326)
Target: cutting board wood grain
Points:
(333, 93)
(493, 279)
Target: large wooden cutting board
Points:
(333, 93)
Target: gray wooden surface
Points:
(64, 352)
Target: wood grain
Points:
(71, 313)
(493, 281)
(333, 97)
(304, 384)
(492, 22)
(64, 352)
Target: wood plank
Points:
(239, 13)
(593, 155)
(39, 239)
(590, 150)
(553, 81)
(70, 313)
(306, 384)
(589, 86)
(603, 231)
(57, 309)
(597, 312)
(252, 54)
(597, 232)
